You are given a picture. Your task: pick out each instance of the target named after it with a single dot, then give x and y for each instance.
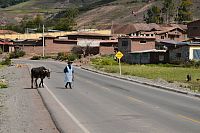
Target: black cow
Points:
(39, 72)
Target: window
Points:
(124, 43)
(196, 54)
(143, 42)
(162, 37)
(161, 57)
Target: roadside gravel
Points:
(21, 108)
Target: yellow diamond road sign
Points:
(119, 55)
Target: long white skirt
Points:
(68, 77)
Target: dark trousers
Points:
(70, 85)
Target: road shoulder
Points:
(22, 109)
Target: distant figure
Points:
(189, 77)
(134, 13)
(69, 75)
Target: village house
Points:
(6, 45)
(182, 51)
(194, 29)
(140, 50)
(175, 33)
(143, 42)
(97, 43)
(51, 45)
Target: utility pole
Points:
(112, 29)
(43, 41)
(177, 15)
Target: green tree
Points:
(168, 10)
(184, 11)
(153, 15)
(38, 21)
(65, 24)
(71, 13)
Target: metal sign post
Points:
(43, 41)
(119, 56)
(120, 67)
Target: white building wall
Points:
(191, 52)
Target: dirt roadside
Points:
(21, 108)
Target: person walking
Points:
(69, 75)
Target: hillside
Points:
(7, 3)
(93, 13)
(124, 11)
(115, 12)
(32, 7)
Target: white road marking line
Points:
(67, 111)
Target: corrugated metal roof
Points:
(148, 51)
(6, 43)
(88, 34)
(135, 27)
(7, 32)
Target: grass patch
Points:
(1, 66)
(155, 72)
(3, 85)
(151, 71)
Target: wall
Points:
(49, 49)
(194, 29)
(103, 50)
(137, 46)
(191, 51)
(183, 50)
(124, 49)
(38, 35)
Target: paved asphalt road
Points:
(100, 104)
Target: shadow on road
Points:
(61, 88)
(30, 88)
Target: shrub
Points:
(7, 61)
(36, 58)
(16, 54)
(3, 85)
(197, 64)
(104, 61)
(72, 57)
(46, 57)
(62, 56)
(20, 53)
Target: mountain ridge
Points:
(93, 13)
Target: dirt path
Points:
(21, 108)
